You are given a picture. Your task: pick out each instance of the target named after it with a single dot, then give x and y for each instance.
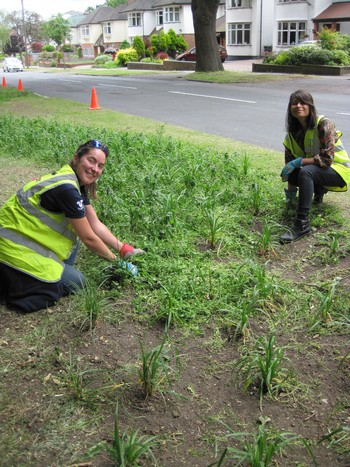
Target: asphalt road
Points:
(252, 113)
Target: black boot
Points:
(300, 228)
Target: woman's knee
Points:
(72, 280)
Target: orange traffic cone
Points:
(3, 82)
(94, 102)
(20, 87)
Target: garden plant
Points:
(262, 328)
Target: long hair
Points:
(83, 149)
(292, 123)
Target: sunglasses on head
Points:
(94, 143)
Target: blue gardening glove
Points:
(290, 167)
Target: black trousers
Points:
(25, 293)
(311, 179)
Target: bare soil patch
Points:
(42, 423)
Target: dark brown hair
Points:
(292, 123)
(83, 149)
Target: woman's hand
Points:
(290, 167)
(127, 250)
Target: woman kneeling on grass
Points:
(316, 160)
(39, 226)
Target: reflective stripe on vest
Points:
(23, 199)
(34, 241)
(24, 241)
(312, 146)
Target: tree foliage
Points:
(31, 27)
(58, 29)
(115, 3)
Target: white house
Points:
(247, 28)
(255, 26)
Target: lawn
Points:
(224, 342)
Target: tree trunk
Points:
(204, 21)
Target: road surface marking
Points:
(213, 97)
(70, 80)
(342, 113)
(116, 86)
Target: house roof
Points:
(221, 24)
(74, 20)
(160, 3)
(97, 16)
(117, 14)
(336, 11)
(137, 5)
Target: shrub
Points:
(155, 42)
(162, 56)
(139, 46)
(163, 42)
(36, 47)
(125, 56)
(321, 57)
(67, 48)
(333, 40)
(125, 45)
(309, 55)
(149, 52)
(283, 58)
(111, 64)
(48, 48)
(340, 57)
(181, 44)
(53, 63)
(103, 59)
(171, 42)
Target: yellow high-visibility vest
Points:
(32, 239)
(341, 162)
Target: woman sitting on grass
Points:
(39, 226)
(316, 160)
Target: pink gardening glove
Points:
(127, 250)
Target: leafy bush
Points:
(181, 44)
(139, 46)
(111, 64)
(53, 63)
(333, 40)
(163, 41)
(341, 57)
(36, 47)
(125, 56)
(308, 55)
(67, 48)
(125, 45)
(321, 57)
(103, 59)
(162, 56)
(155, 42)
(48, 48)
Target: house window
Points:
(135, 19)
(87, 52)
(107, 30)
(291, 32)
(159, 17)
(240, 3)
(172, 14)
(238, 33)
(84, 30)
